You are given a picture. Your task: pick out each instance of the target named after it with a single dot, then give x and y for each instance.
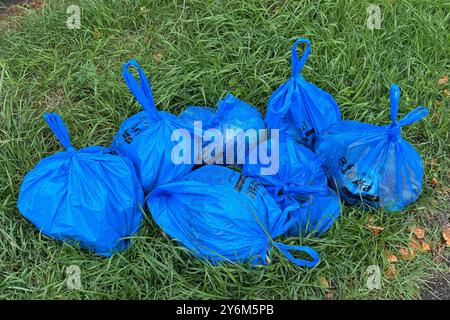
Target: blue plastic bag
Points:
(299, 180)
(300, 105)
(91, 195)
(146, 137)
(221, 215)
(373, 164)
(232, 116)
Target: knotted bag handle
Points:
(142, 90)
(297, 64)
(411, 117)
(56, 124)
(286, 249)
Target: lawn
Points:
(195, 52)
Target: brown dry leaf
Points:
(329, 295)
(414, 245)
(419, 232)
(374, 229)
(443, 80)
(446, 234)
(406, 253)
(426, 246)
(324, 282)
(445, 92)
(391, 271)
(392, 258)
(157, 57)
(434, 182)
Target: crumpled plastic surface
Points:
(374, 165)
(222, 215)
(300, 105)
(91, 196)
(146, 137)
(298, 182)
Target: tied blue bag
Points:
(222, 215)
(226, 126)
(372, 164)
(91, 195)
(298, 181)
(147, 138)
(299, 105)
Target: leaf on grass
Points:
(425, 246)
(374, 229)
(157, 57)
(419, 232)
(406, 253)
(392, 258)
(414, 245)
(324, 282)
(330, 295)
(391, 271)
(433, 163)
(446, 234)
(445, 92)
(443, 80)
(434, 182)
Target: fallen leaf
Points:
(414, 245)
(374, 229)
(438, 103)
(433, 163)
(446, 234)
(392, 258)
(426, 246)
(443, 80)
(406, 253)
(419, 232)
(324, 282)
(391, 272)
(434, 182)
(157, 57)
(446, 92)
(329, 295)
(97, 33)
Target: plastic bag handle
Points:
(56, 124)
(297, 64)
(411, 117)
(142, 92)
(285, 249)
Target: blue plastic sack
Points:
(373, 164)
(146, 137)
(221, 215)
(91, 195)
(298, 181)
(300, 105)
(231, 114)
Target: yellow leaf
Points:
(443, 80)
(324, 282)
(374, 229)
(157, 57)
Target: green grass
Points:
(210, 48)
